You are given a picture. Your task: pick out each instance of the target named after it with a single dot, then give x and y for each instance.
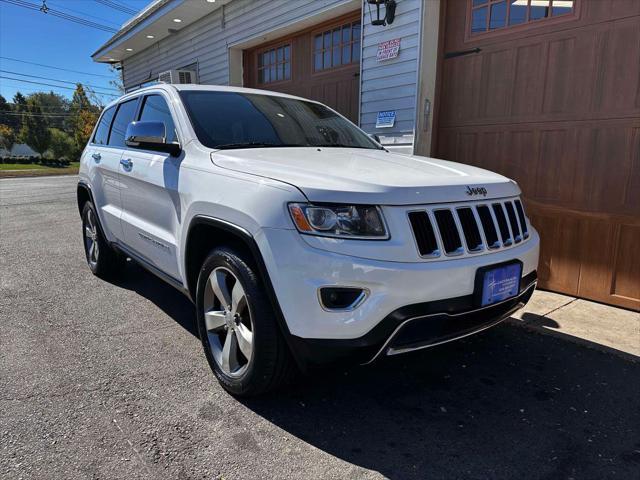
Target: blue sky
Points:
(32, 36)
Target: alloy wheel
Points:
(228, 322)
(91, 238)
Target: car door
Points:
(102, 163)
(151, 207)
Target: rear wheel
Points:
(103, 261)
(237, 325)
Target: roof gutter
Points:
(144, 18)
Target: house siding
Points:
(206, 41)
(391, 84)
(388, 85)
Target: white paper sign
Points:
(388, 50)
(386, 119)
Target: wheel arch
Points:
(204, 234)
(83, 195)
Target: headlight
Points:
(344, 221)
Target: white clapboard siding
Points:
(206, 41)
(391, 84)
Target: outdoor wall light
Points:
(390, 12)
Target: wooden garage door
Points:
(548, 93)
(322, 64)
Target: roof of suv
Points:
(205, 88)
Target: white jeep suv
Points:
(300, 239)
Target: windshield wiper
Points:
(344, 145)
(228, 146)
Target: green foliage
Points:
(52, 104)
(83, 116)
(62, 145)
(35, 130)
(7, 137)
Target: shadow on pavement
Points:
(163, 295)
(507, 403)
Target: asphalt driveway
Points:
(102, 380)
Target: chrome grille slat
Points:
(523, 220)
(513, 221)
(503, 226)
(468, 228)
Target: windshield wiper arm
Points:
(344, 145)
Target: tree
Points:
(35, 131)
(82, 118)
(61, 144)
(19, 106)
(117, 83)
(6, 117)
(55, 106)
(7, 137)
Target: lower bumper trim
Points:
(435, 329)
(413, 327)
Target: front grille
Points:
(470, 228)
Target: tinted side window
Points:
(102, 132)
(155, 109)
(124, 117)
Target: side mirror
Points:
(150, 136)
(375, 137)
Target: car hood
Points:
(351, 175)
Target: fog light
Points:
(341, 298)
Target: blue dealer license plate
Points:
(500, 283)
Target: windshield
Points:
(226, 120)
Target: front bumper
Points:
(414, 327)
(297, 270)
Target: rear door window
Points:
(102, 131)
(124, 116)
(155, 109)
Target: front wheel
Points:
(103, 261)
(237, 326)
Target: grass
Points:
(35, 170)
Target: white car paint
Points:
(150, 208)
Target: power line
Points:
(31, 114)
(55, 68)
(117, 6)
(84, 13)
(56, 80)
(59, 14)
(51, 85)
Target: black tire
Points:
(108, 263)
(271, 365)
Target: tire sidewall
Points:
(88, 206)
(261, 315)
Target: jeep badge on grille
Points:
(476, 191)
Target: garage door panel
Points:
(632, 190)
(527, 96)
(496, 82)
(555, 178)
(555, 106)
(460, 99)
(619, 68)
(626, 280)
(559, 267)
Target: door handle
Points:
(126, 164)
(96, 156)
